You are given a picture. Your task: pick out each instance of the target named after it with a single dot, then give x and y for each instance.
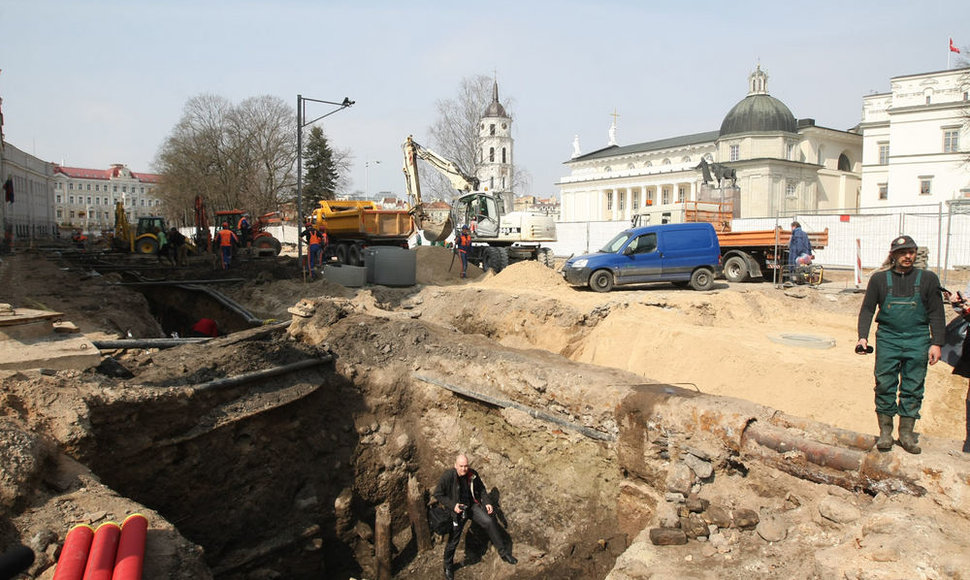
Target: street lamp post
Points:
(300, 124)
(366, 187)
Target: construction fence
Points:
(855, 236)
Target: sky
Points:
(89, 83)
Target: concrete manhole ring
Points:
(803, 340)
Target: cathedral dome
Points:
(759, 112)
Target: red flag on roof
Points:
(953, 48)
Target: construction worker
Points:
(324, 243)
(245, 231)
(314, 248)
(910, 333)
(177, 243)
(226, 240)
(463, 245)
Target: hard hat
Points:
(225, 224)
(464, 228)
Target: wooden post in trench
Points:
(382, 541)
(417, 512)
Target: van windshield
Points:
(614, 245)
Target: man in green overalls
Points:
(910, 333)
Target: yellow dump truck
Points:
(352, 226)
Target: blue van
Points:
(685, 254)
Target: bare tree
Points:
(234, 156)
(455, 133)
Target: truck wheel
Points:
(601, 281)
(496, 260)
(355, 256)
(342, 254)
(146, 246)
(544, 256)
(702, 279)
(736, 269)
(267, 245)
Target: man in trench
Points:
(461, 491)
(910, 333)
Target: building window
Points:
(491, 154)
(681, 193)
(665, 195)
(790, 190)
(503, 155)
(924, 185)
(791, 152)
(491, 129)
(951, 140)
(70, 186)
(58, 199)
(115, 188)
(72, 214)
(620, 201)
(72, 199)
(735, 152)
(884, 153)
(883, 191)
(609, 201)
(89, 199)
(97, 201)
(635, 202)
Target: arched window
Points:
(503, 155)
(666, 161)
(648, 164)
(491, 154)
(844, 163)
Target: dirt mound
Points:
(437, 265)
(527, 274)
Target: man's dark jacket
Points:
(446, 492)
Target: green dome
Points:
(758, 113)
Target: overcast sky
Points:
(89, 83)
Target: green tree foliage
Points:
(321, 177)
(234, 156)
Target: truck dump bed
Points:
(362, 220)
(769, 238)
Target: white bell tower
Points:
(495, 148)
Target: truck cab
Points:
(684, 254)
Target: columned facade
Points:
(86, 198)
(783, 166)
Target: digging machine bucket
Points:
(436, 231)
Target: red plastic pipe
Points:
(131, 549)
(74, 554)
(101, 560)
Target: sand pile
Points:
(436, 266)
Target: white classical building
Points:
(31, 213)
(915, 140)
(784, 166)
(86, 198)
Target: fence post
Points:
(858, 263)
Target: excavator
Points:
(142, 239)
(499, 235)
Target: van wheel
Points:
(342, 254)
(702, 279)
(601, 281)
(736, 269)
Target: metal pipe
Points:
(534, 413)
(176, 282)
(146, 342)
(263, 374)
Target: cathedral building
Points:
(783, 166)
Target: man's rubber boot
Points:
(907, 439)
(449, 572)
(966, 442)
(885, 441)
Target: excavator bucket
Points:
(435, 231)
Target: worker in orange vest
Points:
(314, 248)
(245, 231)
(226, 240)
(463, 245)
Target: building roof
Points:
(495, 108)
(659, 145)
(106, 174)
(758, 112)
